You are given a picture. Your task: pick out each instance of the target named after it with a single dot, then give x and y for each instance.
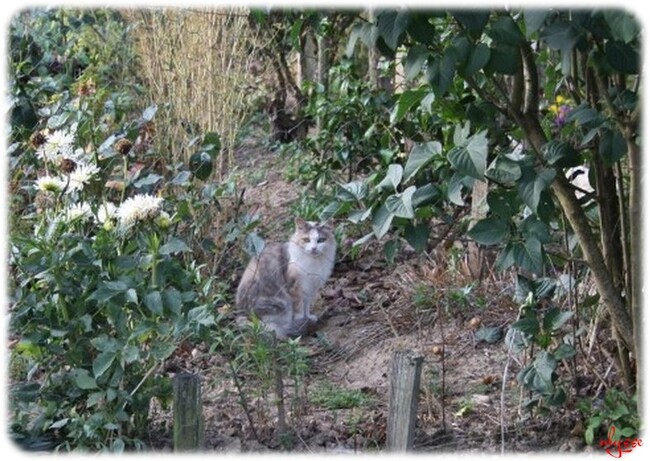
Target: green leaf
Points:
(108, 290)
(534, 227)
(504, 59)
(201, 315)
(561, 35)
(528, 255)
(417, 236)
(381, 221)
(564, 351)
(425, 195)
(473, 21)
(153, 301)
(405, 103)
(555, 319)
(534, 20)
(503, 171)
(623, 26)
(527, 325)
(254, 244)
(455, 189)
(622, 57)
(171, 299)
(561, 154)
(130, 354)
(470, 160)
(490, 335)
(352, 191)
(59, 424)
(503, 202)
(392, 26)
(161, 351)
(415, 59)
(393, 177)
(531, 184)
(401, 205)
(545, 365)
(175, 245)
(82, 379)
(441, 71)
(477, 59)
(420, 155)
(489, 231)
(505, 31)
(57, 121)
(421, 29)
(103, 362)
(612, 146)
(390, 250)
(211, 143)
(201, 165)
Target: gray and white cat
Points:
(280, 285)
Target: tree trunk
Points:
(562, 190)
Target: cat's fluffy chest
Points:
(312, 270)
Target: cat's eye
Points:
(321, 239)
(305, 240)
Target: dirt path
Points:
(368, 310)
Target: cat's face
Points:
(312, 237)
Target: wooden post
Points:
(403, 402)
(188, 413)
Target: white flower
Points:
(138, 208)
(81, 176)
(49, 184)
(57, 145)
(106, 212)
(77, 211)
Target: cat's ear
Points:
(300, 223)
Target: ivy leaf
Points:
(527, 325)
(471, 159)
(393, 177)
(153, 301)
(561, 35)
(103, 362)
(504, 59)
(420, 155)
(254, 244)
(425, 195)
(415, 59)
(503, 202)
(532, 184)
(352, 191)
(489, 231)
(622, 57)
(534, 20)
(175, 245)
(506, 31)
(612, 146)
(503, 171)
(392, 26)
(417, 236)
(564, 351)
(545, 365)
(83, 380)
(473, 21)
(490, 335)
(381, 221)
(406, 101)
(623, 26)
(477, 59)
(555, 319)
(441, 71)
(561, 154)
(455, 189)
(401, 205)
(201, 165)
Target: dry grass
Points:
(201, 68)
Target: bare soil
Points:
(368, 310)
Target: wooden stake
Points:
(188, 413)
(403, 401)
